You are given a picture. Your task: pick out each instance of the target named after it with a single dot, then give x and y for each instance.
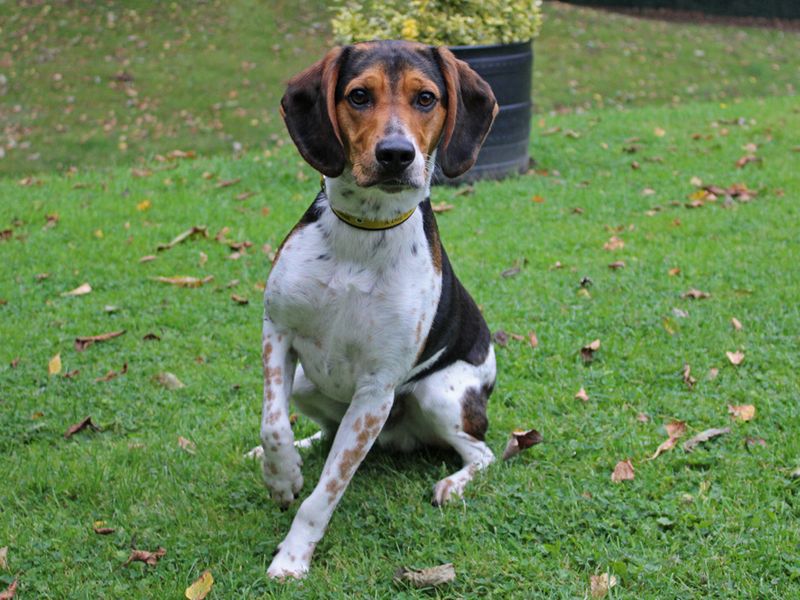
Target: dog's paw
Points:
(283, 477)
(447, 490)
(286, 565)
(257, 453)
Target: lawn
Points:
(721, 521)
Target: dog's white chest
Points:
(358, 304)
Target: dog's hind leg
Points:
(453, 404)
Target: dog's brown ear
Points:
(309, 110)
(471, 109)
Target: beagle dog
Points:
(366, 327)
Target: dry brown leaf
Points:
(100, 528)
(239, 299)
(618, 264)
(642, 418)
(687, 376)
(4, 558)
(600, 584)
(695, 294)
(587, 352)
(521, 440)
(426, 577)
(10, 591)
(500, 338)
(704, 436)
(80, 426)
(228, 182)
(674, 271)
(745, 160)
(582, 395)
(736, 358)
(744, 412)
(201, 587)
(184, 281)
(112, 374)
(169, 381)
(187, 444)
(81, 290)
(150, 558)
(203, 258)
(54, 366)
(736, 324)
(81, 343)
(533, 340)
(712, 373)
(614, 243)
(675, 430)
(148, 258)
(623, 471)
(442, 206)
(245, 195)
(197, 230)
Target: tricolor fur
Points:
(391, 347)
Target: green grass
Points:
(720, 522)
(208, 76)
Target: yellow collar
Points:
(372, 225)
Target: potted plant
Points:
(494, 36)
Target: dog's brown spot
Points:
(357, 424)
(276, 435)
(273, 468)
(371, 421)
(273, 417)
(473, 413)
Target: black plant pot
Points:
(508, 69)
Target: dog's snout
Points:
(394, 154)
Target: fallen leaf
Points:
(148, 258)
(680, 313)
(736, 324)
(687, 376)
(533, 340)
(245, 196)
(623, 471)
(745, 160)
(80, 426)
(201, 587)
(658, 132)
(695, 294)
(538, 199)
(426, 577)
(14, 363)
(197, 230)
(169, 381)
(184, 281)
(54, 366)
(81, 290)
(736, 358)
(228, 182)
(619, 264)
(99, 527)
(500, 338)
(642, 418)
(187, 444)
(150, 558)
(112, 374)
(81, 343)
(600, 584)
(587, 352)
(614, 243)
(696, 181)
(744, 412)
(511, 272)
(442, 206)
(9, 592)
(151, 337)
(203, 258)
(674, 271)
(521, 440)
(144, 205)
(4, 558)
(648, 192)
(704, 436)
(239, 299)
(712, 373)
(675, 431)
(582, 395)
(71, 374)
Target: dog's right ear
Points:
(309, 110)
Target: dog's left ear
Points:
(309, 110)
(471, 109)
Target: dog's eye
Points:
(426, 99)
(358, 97)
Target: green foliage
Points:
(439, 22)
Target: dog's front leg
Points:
(281, 461)
(357, 432)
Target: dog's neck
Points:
(372, 205)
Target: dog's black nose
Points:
(394, 154)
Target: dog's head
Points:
(381, 109)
